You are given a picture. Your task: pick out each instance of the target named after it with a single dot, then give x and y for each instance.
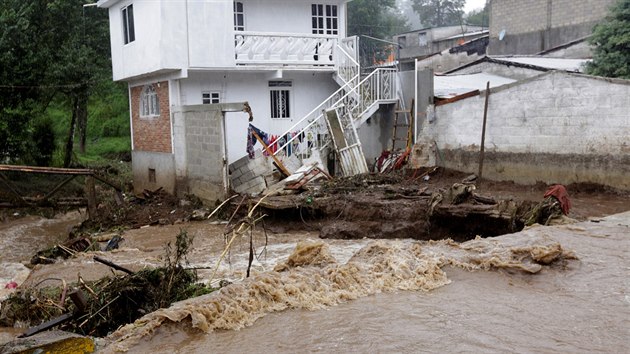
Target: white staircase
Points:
(354, 102)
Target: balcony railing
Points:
(264, 48)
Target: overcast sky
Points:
(474, 4)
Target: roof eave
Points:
(106, 3)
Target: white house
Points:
(290, 59)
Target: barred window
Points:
(239, 16)
(210, 97)
(280, 94)
(149, 102)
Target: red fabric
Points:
(559, 192)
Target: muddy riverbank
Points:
(391, 210)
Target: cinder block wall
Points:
(555, 128)
(247, 175)
(535, 25)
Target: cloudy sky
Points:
(474, 4)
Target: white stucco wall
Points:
(308, 91)
(568, 127)
(143, 54)
(181, 34)
(285, 16)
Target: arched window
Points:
(149, 102)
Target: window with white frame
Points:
(129, 32)
(280, 98)
(149, 102)
(210, 97)
(324, 19)
(239, 16)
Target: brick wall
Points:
(152, 133)
(556, 127)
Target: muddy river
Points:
(545, 289)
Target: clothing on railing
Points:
(251, 139)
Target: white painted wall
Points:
(286, 16)
(308, 91)
(142, 55)
(181, 34)
(551, 113)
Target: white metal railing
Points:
(348, 66)
(259, 48)
(378, 86)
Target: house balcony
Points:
(286, 49)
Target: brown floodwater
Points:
(488, 295)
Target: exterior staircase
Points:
(333, 123)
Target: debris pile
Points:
(99, 307)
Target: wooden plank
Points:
(483, 132)
(47, 170)
(457, 98)
(17, 197)
(58, 187)
(278, 162)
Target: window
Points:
(129, 33)
(422, 39)
(149, 102)
(402, 42)
(152, 178)
(324, 20)
(239, 16)
(280, 92)
(210, 97)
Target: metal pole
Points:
(483, 131)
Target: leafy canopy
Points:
(438, 13)
(611, 39)
(376, 18)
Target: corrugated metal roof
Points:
(448, 86)
(575, 65)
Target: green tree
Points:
(437, 13)
(48, 48)
(375, 18)
(611, 38)
(479, 17)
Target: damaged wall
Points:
(555, 128)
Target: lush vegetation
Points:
(55, 84)
(438, 13)
(479, 17)
(375, 20)
(611, 40)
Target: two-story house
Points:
(290, 59)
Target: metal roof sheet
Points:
(575, 65)
(447, 86)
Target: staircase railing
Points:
(378, 86)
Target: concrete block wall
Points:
(151, 133)
(247, 176)
(535, 25)
(556, 127)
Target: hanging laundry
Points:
(251, 139)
